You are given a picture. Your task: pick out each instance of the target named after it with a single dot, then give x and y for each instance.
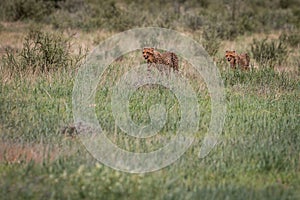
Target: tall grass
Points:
(258, 154)
(269, 54)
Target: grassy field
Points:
(41, 157)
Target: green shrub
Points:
(245, 25)
(286, 3)
(269, 53)
(42, 52)
(292, 38)
(93, 15)
(296, 14)
(193, 22)
(13, 10)
(211, 41)
(274, 19)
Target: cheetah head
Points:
(148, 53)
(230, 55)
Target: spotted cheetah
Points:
(234, 59)
(154, 57)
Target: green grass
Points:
(257, 158)
(258, 155)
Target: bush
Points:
(193, 21)
(42, 52)
(286, 3)
(93, 15)
(211, 41)
(13, 10)
(292, 38)
(269, 53)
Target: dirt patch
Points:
(14, 152)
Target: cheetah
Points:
(154, 57)
(234, 59)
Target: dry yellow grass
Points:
(13, 33)
(16, 152)
(12, 36)
(13, 152)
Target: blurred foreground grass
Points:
(258, 157)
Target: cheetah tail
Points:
(174, 61)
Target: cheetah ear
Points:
(226, 51)
(233, 51)
(152, 49)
